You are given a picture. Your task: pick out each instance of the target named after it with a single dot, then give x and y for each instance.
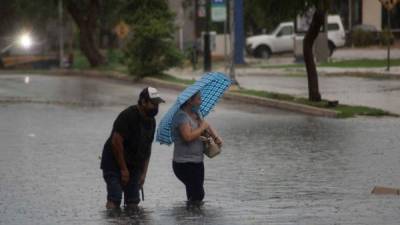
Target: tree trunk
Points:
(308, 42)
(87, 24)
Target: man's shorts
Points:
(115, 187)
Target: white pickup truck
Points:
(282, 39)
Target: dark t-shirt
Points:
(137, 132)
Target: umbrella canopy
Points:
(211, 87)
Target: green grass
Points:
(283, 66)
(364, 63)
(345, 111)
(114, 61)
(80, 61)
(359, 63)
(169, 78)
(265, 94)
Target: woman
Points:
(187, 127)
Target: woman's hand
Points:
(218, 141)
(204, 125)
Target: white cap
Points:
(153, 94)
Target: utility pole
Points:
(232, 39)
(207, 50)
(239, 31)
(60, 32)
(389, 39)
(389, 5)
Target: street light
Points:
(25, 41)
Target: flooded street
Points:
(276, 167)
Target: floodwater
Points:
(275, 168)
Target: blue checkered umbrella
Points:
(211, 86)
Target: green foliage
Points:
(262, 14)
(344, 111)
(151, 49)
(386, 37)
(80, 61)
(361, 38)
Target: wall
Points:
(372, 13)
(184, 21)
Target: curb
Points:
(289, 106)
(229, 95)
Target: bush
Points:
(361, 38)
(152, 49)
(386, 37)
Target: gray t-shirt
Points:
(185, 151)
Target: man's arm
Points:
(144, 172)
(118, 150)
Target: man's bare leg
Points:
(111, 205)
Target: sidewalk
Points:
(349, 85)
(188, 73)
(253, 67)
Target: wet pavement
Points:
(276, 167)
(373, 92)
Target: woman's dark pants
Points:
(192, 176)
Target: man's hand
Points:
(142, 179)
(124, 177)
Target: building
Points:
(185, 11)
(190, 22)
(370, 12)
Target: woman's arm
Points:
(188, 134)
(214, 136)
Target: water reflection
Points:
(124, 216)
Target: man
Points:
(127, 151)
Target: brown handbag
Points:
(211, 149)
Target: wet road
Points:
(276, 167)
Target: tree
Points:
(151, 48)
(261, 15)
(290, 9)
(317, 22)
(320, 8)
(7, 13)
(85, 15)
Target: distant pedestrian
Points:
(127, 151)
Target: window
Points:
(333, 26)
(285, 31)
(394, 18)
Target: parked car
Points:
(282, 39)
